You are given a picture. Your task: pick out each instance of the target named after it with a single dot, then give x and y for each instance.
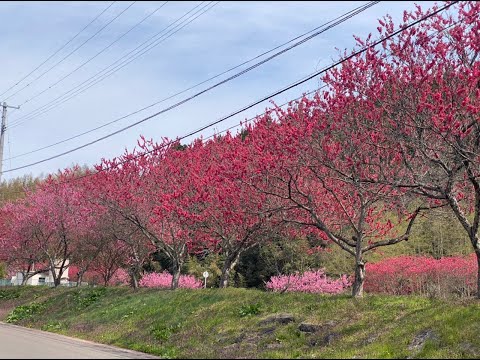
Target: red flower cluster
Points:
(423, 275)
(164, 280)
(309, 282)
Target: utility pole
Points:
(2, 132)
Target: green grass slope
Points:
(239, 323)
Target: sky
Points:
(226, 35)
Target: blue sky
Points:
(226, 35)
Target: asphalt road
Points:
(22, 343)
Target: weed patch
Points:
(24, 312)
(249, 310)
(84, 299)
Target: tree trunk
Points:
(56, 279)
(134, 278)
(25, 275)
(230, 263)
(176, 276)
(178, 259)
(357, 290)
(24, 279)
(80, 278)
(135, 281)
(471, 230)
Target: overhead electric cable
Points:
(325, 69)
(96, 55)
(363, 7)
(94, 79)
(60, 49)
(73, 51)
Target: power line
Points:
(245, 121)
(97, 54)
(135, 112)
(60, 49)
(92, 80)
(73, 51)
(256, 116)
(356, 53)
(323, 28)
(198, 84)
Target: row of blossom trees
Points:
(397, 130)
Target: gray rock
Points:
(278, 318)
(419, 340)
(309, 328)
(330, 338)
(267, 331)
(312, 328)
(324, 340)
(273, 346)
(313, 342)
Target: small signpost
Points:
(205, 275)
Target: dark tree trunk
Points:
(230, 263)
(24, 279)
(178, 259)
(470, 228)
(176, 276)
(134, 279)
(80, 278)
(357, 290)
(134, 273)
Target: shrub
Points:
(24, 312)
(310, 282)
(423, 275)
(248, 310)
(162, 332)
(86, 297)
(11, 293)
(164, 280)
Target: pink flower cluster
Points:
(164, 280)
(423, 275)
(120, 277)
(309, 282)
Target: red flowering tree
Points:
(424, 84)
(110, 260)
(50, 224)
(235, 216)
(422, 275)
(155, 190)
(315, 159)
(17, 242)
(118, 241)
(310, 282)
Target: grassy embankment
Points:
(236, 323)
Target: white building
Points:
(43, 278)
